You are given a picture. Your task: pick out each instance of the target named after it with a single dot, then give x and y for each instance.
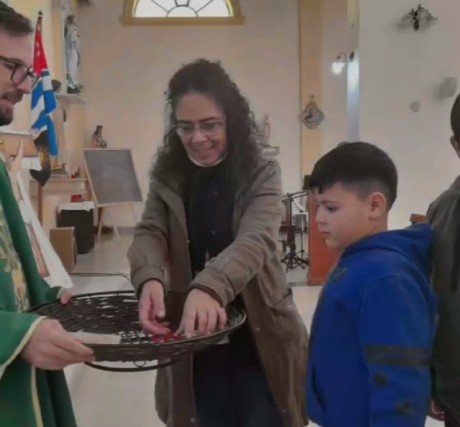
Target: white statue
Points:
(266, 129)
(72, 53)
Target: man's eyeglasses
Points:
(19, 71)
(210, 128)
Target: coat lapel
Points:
(171, 195)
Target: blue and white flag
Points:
(43, 105)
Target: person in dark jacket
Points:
(374, 325)
(209, 231)
(444, 217)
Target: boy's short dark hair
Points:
(358, 164)
(12, 22)
(455, 119)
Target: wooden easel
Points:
(100, 213)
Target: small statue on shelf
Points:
(266, 130)
(264, 133)
(98, 141)
(72, 54)
(263, 130)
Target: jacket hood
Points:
(413, 242)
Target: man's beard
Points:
(6, 116)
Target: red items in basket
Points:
(158, 339)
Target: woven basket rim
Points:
(241, 318)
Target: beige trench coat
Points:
(250, 266)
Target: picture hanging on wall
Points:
(312, 116)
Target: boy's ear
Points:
(378, 205)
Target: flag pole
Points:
(40, 188)
(40, 204)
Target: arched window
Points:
(182, 12)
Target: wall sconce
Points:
(342, 59)
(418, 18)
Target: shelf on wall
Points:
(12, 132)
(70, 98)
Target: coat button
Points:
(192, 420)
(257, 329)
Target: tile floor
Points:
(105, 399)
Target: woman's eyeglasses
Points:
(210, 128)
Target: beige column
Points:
(310, 56)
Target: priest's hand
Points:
(52, 348)
(65, 297)
(203, 313)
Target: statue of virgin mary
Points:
(72, 54)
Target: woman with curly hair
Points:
(209, 230)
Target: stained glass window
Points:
(181, 10)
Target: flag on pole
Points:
(43, 105)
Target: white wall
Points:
(398, 67)
(126, 70)
(336, 37)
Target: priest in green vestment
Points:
(33, 349)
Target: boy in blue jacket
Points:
(374, 324)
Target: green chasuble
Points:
(29, 397)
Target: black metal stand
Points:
(294, 259)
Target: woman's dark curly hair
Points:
(243, 151)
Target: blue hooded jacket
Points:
(372, 334)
